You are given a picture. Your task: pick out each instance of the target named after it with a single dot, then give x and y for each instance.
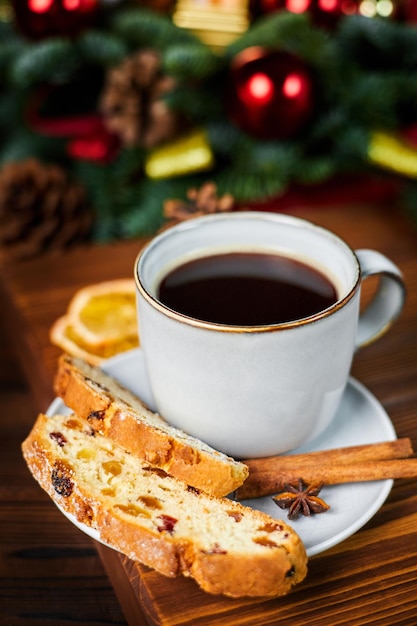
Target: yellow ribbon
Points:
(390, 152)
(189, 154)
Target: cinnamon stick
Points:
(340, 465)
(397, 449)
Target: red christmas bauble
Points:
(270, 93)
(38, 19)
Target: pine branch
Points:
(55, 60)
(11, 46)
(223, 137)
(113, 191)
(23, 144)
(101, 48)
(142, 27)
(377, 43)
(286, 31)
(251, 187)
(197, 101)
(255, 170)
(191, 60)
(145, 214)
(314, 170)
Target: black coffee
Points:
(246, 289)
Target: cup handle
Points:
(388, 301)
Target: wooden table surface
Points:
(371, 577)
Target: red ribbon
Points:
(88, 137)
(100, 146)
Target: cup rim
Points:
(230, 328)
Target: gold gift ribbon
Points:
(189, 154)
(387, 150)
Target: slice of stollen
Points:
(114, 411)
(158, 520)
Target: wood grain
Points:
(370, 578)
(49, 571)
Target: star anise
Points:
(301, 499)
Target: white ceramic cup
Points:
(259, 390)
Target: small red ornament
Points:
(323, 12)
(38, 19)
(270, 93)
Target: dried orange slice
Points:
(100, 321)
(104, 312)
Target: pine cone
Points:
(132, 105)
(201, 201)
(40, 209)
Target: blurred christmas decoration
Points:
(135, 106)
(270, 93)
(393, 153)
(199, 202)
(325, 13)
(132, 102)
(6, 11)
(216, 22)
(41, 210)
(84, 130)
(38, 19)
(190, 153)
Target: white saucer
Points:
(361, 419)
